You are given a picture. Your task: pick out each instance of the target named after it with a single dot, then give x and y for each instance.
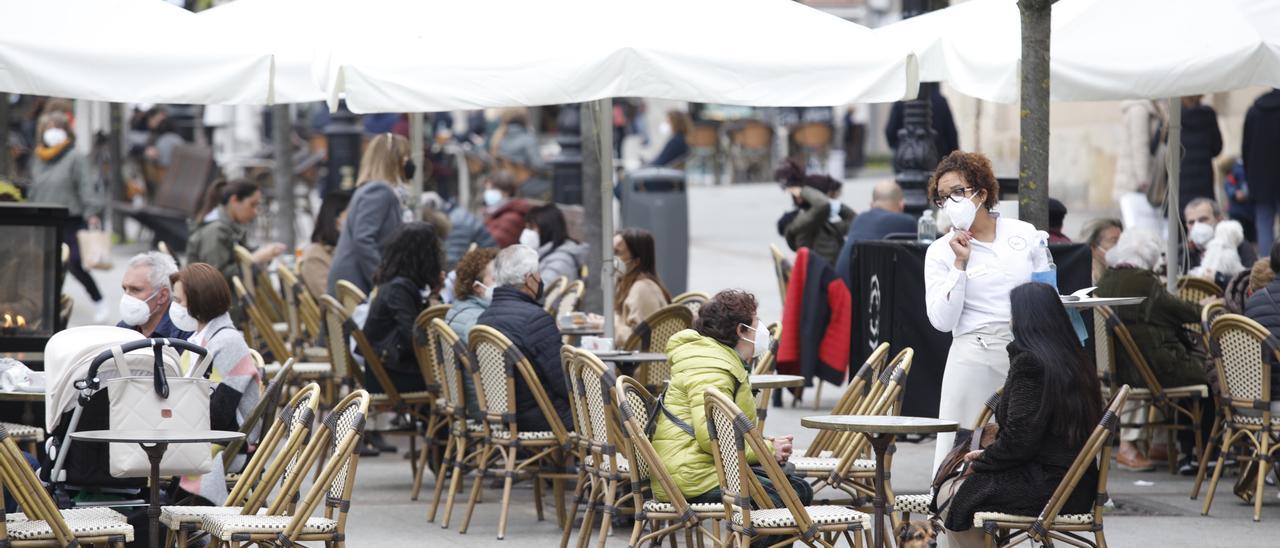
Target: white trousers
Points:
(976, 367)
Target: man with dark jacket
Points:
(515, 313)
(885, 217)
(1261, 163)
(1264, 307)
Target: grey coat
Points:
(562, 262)
(67, 180)
(373, 215)
(466, 229)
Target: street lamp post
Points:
(566, 168)
(917, 153)
(343, 158)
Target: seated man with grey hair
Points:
(515, 312)
(144, 307)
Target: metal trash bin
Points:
(655, 199)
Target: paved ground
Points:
(731, 229)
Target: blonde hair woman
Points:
(377, 209)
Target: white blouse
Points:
(961, 301)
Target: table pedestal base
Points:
(155, 452)
(880, 444)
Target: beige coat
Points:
(643, 300)
(1133, 153)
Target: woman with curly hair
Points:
(968, 275)
(472, 295)
(410, 267)
(714, 355)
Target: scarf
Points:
(51, 154)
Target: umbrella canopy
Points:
(124, 50)
(496, 53)
(286, 31)
(1101, 49)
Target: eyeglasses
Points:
(955, 196)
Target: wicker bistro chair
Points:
(554, 293)
(850, 468)
(41, 523)
(606, 466)
(782, 269)
(340, 435)
(579, 439)
(302, 315)
(731, 434)
(692, 299)
(427, 352)
(521, 455)
(571, 300)
(349, 295)
(1050, 525)
(662, 519)
(859, 388)
(259, 285)
(262, 413)
(1246, 355)
(306, 370)
(1194, 289)
(1171, 401)
(28, 436)
(906, 505)
(466, 437)
(277, 459)
(651, 335)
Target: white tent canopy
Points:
(746, 52)
(142, 51)
(1101, 49)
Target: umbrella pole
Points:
(602, 125)
(415, 153)
(1173, 259)
(282, 133)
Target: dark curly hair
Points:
(974, 169)
(720, 317)
(793, 174)
(414, 253)
(470, 270)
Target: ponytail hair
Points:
(221, 192)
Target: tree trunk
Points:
(1033, 161)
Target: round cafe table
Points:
(1094, 302)
(880, 432)
(766, 384)
(628, 357)
(155, 443)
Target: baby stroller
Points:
(78, 401)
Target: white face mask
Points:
(961, 213)
(1200, 234)
(492, 197)
(529, 238)
(54, 136)
(619, 267)
(760, 342)
(486, 292)
(181, 319)
(135, 311)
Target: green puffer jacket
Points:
(698, 363)
(214, 242)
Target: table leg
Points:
(154, 453)
(880, 444)
(762, 407)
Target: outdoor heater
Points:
(31, 273)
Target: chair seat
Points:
(302, 369)
(418, 396)
(821, 515)
(222, 527)
(281, 328)
(913, 504)
(656, 507)
(80, 527)
(92, 512)
(623, 465)
(315, 354)
(538, 435)
(22, 432)
(829, 464)
(174, 517)
(981, 518)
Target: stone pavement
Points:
(731, 229)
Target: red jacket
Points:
(817, 318)
(507, 221)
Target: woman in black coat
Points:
(1050, 406)
(1201, 142)
(410, 266)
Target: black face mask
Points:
(537, 296)
(409, 169)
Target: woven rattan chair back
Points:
(572, 298)
(651, 335)
(262, 414)
(634, 405)
(259, 285)
(455, 364)
(577, 405)
(260, 323)
(731, 434)
(335, 339)
(426, 349)
(1246, 355)
(244, 261)
(1209, 313)
(551, 299)
(342, 431)
(1194, 289)
(1104, 348)
(860, 385)
(497, 362)
(341, 328)
(883, 398)
(278, 456)
(781, 269)
(303, 313)
(20, 481)
(693, 300)
(597, 396)
(349, 295)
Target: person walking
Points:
(968, 275)
(820, 220)
(376, 211)
(1262, 164)
(1201, 142)
(62, 176)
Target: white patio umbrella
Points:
(125, 51)
(287, 31)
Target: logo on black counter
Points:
(873, 312)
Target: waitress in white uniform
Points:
(968, 275)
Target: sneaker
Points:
(1189, 466)
(101, 311)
